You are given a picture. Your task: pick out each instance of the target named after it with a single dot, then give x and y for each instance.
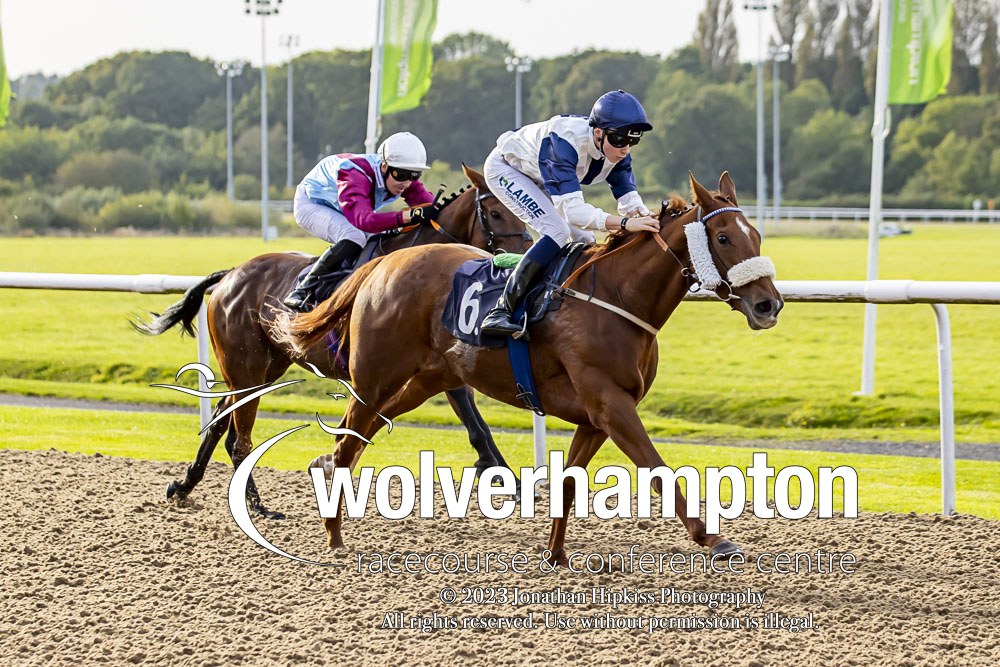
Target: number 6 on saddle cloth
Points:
(476, 283)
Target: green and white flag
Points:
(406, 62)
(921, 50)
(4, 87)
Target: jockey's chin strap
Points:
(703, 258)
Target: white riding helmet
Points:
(403, 150)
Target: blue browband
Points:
(718, 211)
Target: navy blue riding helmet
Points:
(619, 110)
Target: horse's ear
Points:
(698, 192)
(474, 177)
(727, 188)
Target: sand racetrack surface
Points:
(98, 567)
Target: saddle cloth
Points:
(478, 283)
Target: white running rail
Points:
(936, 293)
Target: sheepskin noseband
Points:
(701, 257)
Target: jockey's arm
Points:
(354, 195)
(557, 165)
(416, 194)
(557, 162)
(622, 182)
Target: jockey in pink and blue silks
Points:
(537, 172)
(338, 201)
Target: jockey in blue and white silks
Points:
(537, 172)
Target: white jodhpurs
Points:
(529, 202)
(324, 222)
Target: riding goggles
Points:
(403, 174)
(622, 138)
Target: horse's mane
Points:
(671, 207)
(450, 199)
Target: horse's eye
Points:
(723, 239)
(495, 215)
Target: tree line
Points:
(154, 123)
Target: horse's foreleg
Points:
(613, 410)
(586, 441)
(196, 471)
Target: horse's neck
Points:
(648, 280)
(454, 220)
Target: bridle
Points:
(701, 272)
(488, 230)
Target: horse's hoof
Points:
(268, 514)
(557, 559)
(517, 494)
(726, 548)
(174, 488)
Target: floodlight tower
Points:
(263, 9)
(229, 69)
(290, 42)
(779, 54)
(519, 65)
(760, 8)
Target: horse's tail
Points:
(184, 311)
(302, 331)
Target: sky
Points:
(62, 36)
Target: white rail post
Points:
(538, 432)
(204, 404)
(947, 409)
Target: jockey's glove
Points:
(426, 213)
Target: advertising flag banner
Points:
(921, 50)
(407, 59)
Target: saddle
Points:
(477, 284)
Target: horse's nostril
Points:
(763, 307)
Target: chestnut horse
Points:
(247, 296)
(591, 365)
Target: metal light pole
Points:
(519, 65)
(263, 9)
(779, 54)
(290, 42)
(229, 70)
(760, 8)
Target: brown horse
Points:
(247, 296)
(591, 366)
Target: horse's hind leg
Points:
(243, 421)
(209, 440)
(364, 420)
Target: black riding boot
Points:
(499, 320)
(328, 262)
